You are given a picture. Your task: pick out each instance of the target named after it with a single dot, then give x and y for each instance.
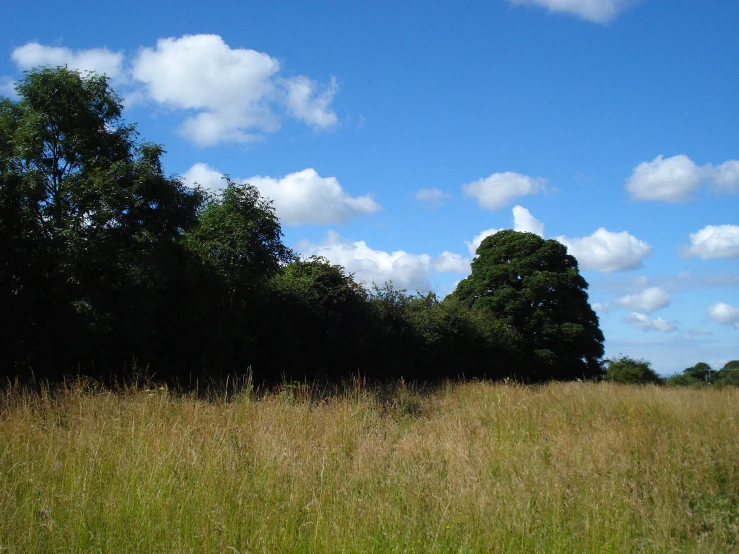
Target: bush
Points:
(685, 380)
(729, 374)
(630, 371)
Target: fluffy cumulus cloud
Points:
(649, 300)
(301, 198)
(597, 11)
(307, 198)
(672, 179)
(607, 251)
(100, 60)
(234, 92)
(523, 221)
(725, 314)
(229, 94)
(310, 102)
(602, 251)
(205, 176)
(642, 321)
(431, 197)
(726, 176)
(714, 241)
(500, 189)
(676, 179)
(410, 271)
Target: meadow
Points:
(465, 467)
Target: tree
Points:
(729, 374)
(90, 224)
(535, 287)
(237, 241)
(700, 371)
(239, 234)
(322, 314)
(454, 341)
(627, 370)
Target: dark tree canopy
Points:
(89, 224)
(535, 287)
(107, 262)
(239, 235)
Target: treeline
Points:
(108, 266)
(626, 370)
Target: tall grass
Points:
(467, 468)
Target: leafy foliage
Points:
(729, 374)
(535, 287)
(90, 224)
(107, 263)
(701, 374)
(630, 371)
(239, 236)
(319, 321)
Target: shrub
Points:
(729, 374)
(630, 371)
(685, 380)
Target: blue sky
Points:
(392, 136)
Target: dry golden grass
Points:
(467, 468)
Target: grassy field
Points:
(474, 467)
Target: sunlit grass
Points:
(467, 468)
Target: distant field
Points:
(476, 467)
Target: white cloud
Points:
(308, 101)
(597, 11)
(234, 91)
(642, 321)
(714, 241)
(601, 251)
(207, 177)
(301, 198)
(409, 271)
(307, 198)
(607, 251)
(432, 197)
(726, 176)
(523, 222)
(500, 189)
(673, 179)
(230, 88)
(100, 60)
(724, 314)
(649, 300)
(676, 179)
(7, 88)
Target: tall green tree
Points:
(237, 242)
(89, 221)
(535, 287)
(239, 235)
